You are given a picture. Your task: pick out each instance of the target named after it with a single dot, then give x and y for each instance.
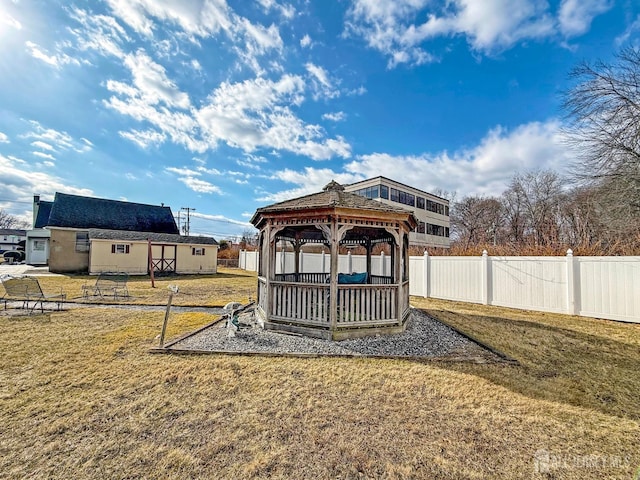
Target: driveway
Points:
(23, 269)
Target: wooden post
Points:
(166, 319)
(150, 254)
(333, 288)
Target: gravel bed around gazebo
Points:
(424, 337)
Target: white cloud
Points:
(305, 41)
(42, 145)
(256, 114)
(20, 182)
(100, 33)
(54, 140)
(335, 116)
(57, 60)
(633, 27)
(190, 178)
(286, 10)
(47, 156)
(396, 27)
(221, 218)
(4, 138)
(199, 185)
(575, 16)
(151, 82)
(485, 169)
(144, 139)
(310, 180)
(322, 86)
(10, 21)
(199, 18)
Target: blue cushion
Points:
(352, 278)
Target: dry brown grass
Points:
(81, 397)
(229, 284)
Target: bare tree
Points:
(9, 221)
(603, 117)
(477, 220)
(532, 205)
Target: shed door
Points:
(163, 258)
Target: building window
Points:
(197, 250)
(406, 198)
(369, 192)
(119, 248)
(395, 195)
(82, 242)
(384, 192)
(38, 245)
(421, 227)
(420, 202)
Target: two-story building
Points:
(431, 211)
(11, 239)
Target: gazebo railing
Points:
(311, 277)
(314, 277)
(308, 304)
(302, 303)
(367, 305)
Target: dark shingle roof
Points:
(154, 237)
(332, 195)
(73, 211)
(12, 231)
(44, 210)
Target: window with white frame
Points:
(120, 248)
(197, 250)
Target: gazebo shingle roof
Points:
(332, 195)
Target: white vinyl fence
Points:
(601, 287)
(319, 263)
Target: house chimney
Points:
(36, 207)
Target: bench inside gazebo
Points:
(336, 304)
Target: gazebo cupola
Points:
(328, 302)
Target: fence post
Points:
(349, 264)
(426, 264)
(242, 260)
(322, 259)
(572, 299)
(485, 278)
(383, 265)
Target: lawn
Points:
(195, 290)
(81, 397)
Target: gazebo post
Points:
(399, 276)
(394, 262)
(296, 254)
(266, 267)
(368, 245)
(333, 275)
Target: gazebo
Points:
(335, 305)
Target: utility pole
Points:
(186, 226)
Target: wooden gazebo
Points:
(335, 305)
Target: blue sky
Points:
(227, 106)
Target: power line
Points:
(186, 226)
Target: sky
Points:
(225, 106)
